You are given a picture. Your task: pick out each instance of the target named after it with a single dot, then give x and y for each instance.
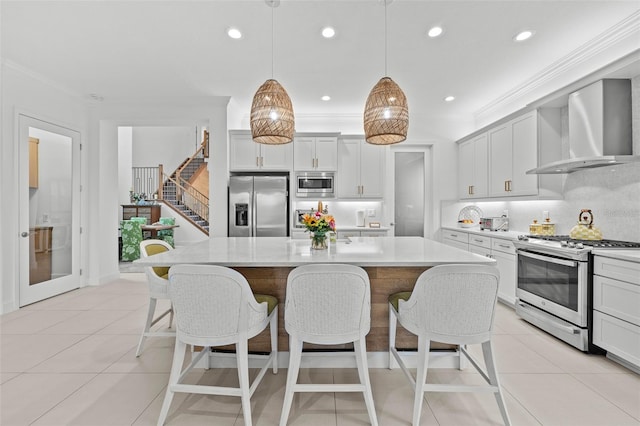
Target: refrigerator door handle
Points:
(254, 214)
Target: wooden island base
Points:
(384, 281)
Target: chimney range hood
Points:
(599, 128)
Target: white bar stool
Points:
(452, 304)
(328, 304)
(215, 306)
(158, 284)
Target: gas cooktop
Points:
(567, 241)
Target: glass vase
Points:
(319, 241)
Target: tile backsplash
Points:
(611, 193)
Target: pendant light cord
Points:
(272, 38)
(385, 38)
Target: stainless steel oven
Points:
(555, 285)
(553, 290)
(315, 185)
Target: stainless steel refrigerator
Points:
(258, 206)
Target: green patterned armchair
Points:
(167, 234)
(131, 232)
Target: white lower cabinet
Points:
(500, 249)
(616, 304)
(456, 239)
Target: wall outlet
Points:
(371, 212)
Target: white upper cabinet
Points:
(513, 149)
(495, 164)
(361, 169)
(315, 153)
(472, 167)
(247, 155)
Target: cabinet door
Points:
(500, 160)
(457, 244)
(276, 157)
(349, 168)
(507, 267)
(524, 132)
(473, 167)
(372, 170)
(466, 152)
(243, 152)
(304, 153)
(480, 250)
(480, 167)
(326, 154)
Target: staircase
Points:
(186, 191)
(175, 196)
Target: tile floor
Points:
(70, 360)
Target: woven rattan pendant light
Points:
(272, 119)
(386, 113)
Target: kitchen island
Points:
(393, 265)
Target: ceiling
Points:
(147, 49)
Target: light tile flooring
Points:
(70, 360)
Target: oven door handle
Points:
(570, 263)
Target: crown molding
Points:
(9, 64)
(625, 29)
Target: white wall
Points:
(29, 93)
(125, 163)
(166, 145)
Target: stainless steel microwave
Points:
(315, 185)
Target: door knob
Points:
(24, 234)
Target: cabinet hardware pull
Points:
(257, 161)
(453, 235)
(503, 246)
(505, 186)
(471, 190)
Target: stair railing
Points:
(200, 153)
(190, 197)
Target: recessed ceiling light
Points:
(435, 32)
(326, 98)
(523, 35)
(234, 33)
(449, 98)
(328, 32)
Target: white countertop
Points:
(351, 228)
(287, 252)
(621, 254)
(507, 235)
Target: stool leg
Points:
(147, 325)
(176, 370)
(295, 355)
(421, 377)
(273, 331)
(360, 349)
(242, 355)
(393, 325)
(487, 352)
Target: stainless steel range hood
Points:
(599, 128)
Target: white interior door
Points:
(49, 164)
(411, 189)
